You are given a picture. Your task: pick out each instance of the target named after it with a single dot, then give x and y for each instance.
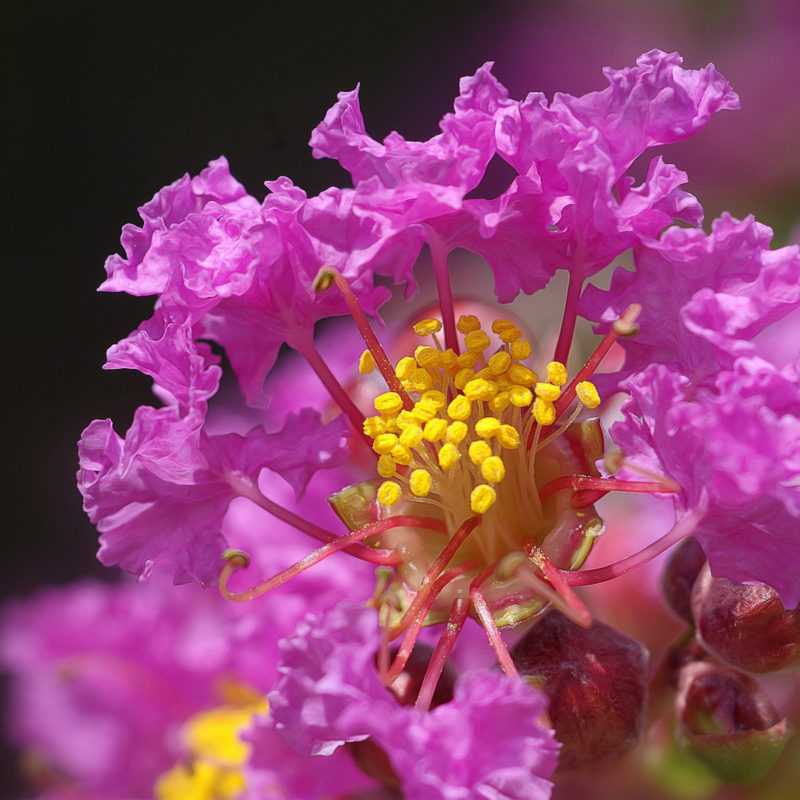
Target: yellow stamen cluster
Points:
(470, 404)
(216, 755)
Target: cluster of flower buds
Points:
(724, 718)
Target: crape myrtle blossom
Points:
(488, 466)
(115, 686)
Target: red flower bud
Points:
(728, 722)
(679, 577)
(745, 625)
(596, 680)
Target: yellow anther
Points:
(556, 373)
(435, 429)
(449, 357)
(435, 398)
(479, 389)
(587, 394)
(468, 323)
(482, 498)
(420, 482)
(521, 349)
(476, 341)
(499, 363)
(389, 493)
(401, 454)
(467, 359)
(425, 410)
(374, 426)
(500, 325)
(547, 392)
(460, 408)
(384, 442)
(457, 432)
(405, 366)
(462, 376)
(448, 456)
(366, 363)
(486, 427)
(544, 412)
(420, 380)
(388, 403)
(493, 469)
(479, 451)
(411, 436)
(428, 356)
(509, 335)
(508, 436)
(520, 396)
(386, 466)
(406, 418)
(425, 327)
(500, 402)
(519, 373)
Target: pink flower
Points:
(704, 297)
(329, 694)
(733, 450)
(472, 480)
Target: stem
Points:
(370, 339)
(315, 557)
(455, 622)
(580, 482)
(568, 320)
(249, 490)
(309, 351)
(487, 620)
(444, 289)
(678, 531)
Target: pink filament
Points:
(318, 555)
(487, 620)
(455, 622)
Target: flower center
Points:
(477, 433)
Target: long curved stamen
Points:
(582, 482)
(679, 531)
(328, 275)
(336, 390)
(249, 490)
(236, 559)
(487, 620)
(624, 326)
(455, 622)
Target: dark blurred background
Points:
(104, 104)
